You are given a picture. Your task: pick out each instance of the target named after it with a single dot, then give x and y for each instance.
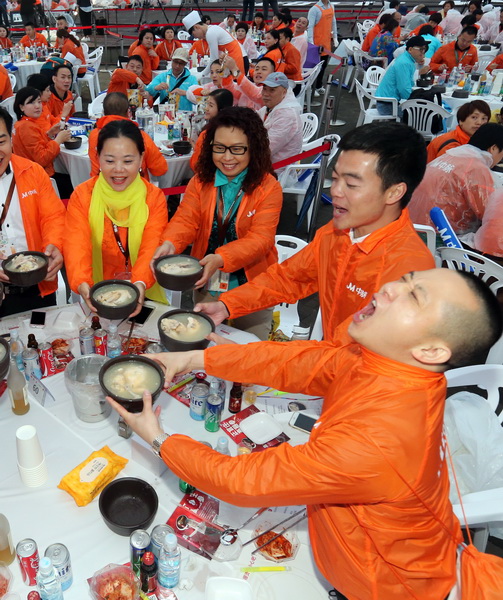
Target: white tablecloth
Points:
(49, 515)
(493, 101)
(24, 70)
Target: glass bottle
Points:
(16, 348)
(16, 384)
(7, 552)
(235, 398)
(95, 323)
(32, 341)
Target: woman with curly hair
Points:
(230, 211)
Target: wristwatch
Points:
(158, 442)
(236, 73)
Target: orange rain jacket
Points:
(29, 139)
(121, 81)
(458, 136)
(78, 249)
(165, 49)
(153, 160)
(369, 38)
(370, 535)
(489, 238)
(46, 119)
(39, 40)
(149, 63)
(132, 48)
(292, 68)
(42, 211)
(447, 55)
(55, 104)
(344, 274)
(77, 51)
(497, 63)
(256, 221)
(5, 84)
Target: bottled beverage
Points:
(452, 78)
(468, 83)
(100, 342)
(114, 343)
(32, 341)
(198, 397)
(235, 398)
(148, 573)
(214, 407)
(86, 340)
(16, 348)
(48, 583)
(489, 84)
(442, 77)
(168, 571)
(95, 323)
(223, 446)
(7, 552)
(16, 384)
(482, 84)
(475, 68)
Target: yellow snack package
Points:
(87, 480)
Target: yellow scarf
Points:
(107, 201)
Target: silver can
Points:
(31, 363)
(139, 541)
(157, 538)
(60, 557)
(86, 341)
(198, 396)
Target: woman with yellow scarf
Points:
(114, 221)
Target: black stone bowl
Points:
(73, 143)
(181, 147)
(127, 504)
(114, 313)
(177, 283)
(133, 405)
(174, 345)
(4, 363)
(27, 278)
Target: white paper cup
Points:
(35, 476)
(29, 451)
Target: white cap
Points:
(191, 19)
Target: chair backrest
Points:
(373, 76)
(364, 95)
(361, 32)
(309, 126)
(95, 109)
(428, 235)
(466, 260)
(85, 49)
(287, 246)
(420, 115)
(95, 58)
(484, 61)
(360, 56)
(183, 35)
(8, 104)
(368, 24)
(13, 81)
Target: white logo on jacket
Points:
(29, 193)
(357, 290)
(251, 213)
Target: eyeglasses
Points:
(420, 48)
(221, 149)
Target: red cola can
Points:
(46, 359)
(100, 342)
(27, 555)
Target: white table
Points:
(48, 514)
(493, 101)
(24, 70)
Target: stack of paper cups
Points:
(30, 458)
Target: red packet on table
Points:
(232, 429)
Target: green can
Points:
(185, 487)
(214, 407)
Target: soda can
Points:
(100, 343)
(86, 340)
(31, 363)
(33, 595)
(139, 541)
(157, 538)
(198, 395)
(47, 365)
(214, 407)
(60, 557)
(27, 555)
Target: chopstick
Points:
(280, 533)
(274, 526)
(254, 516)
(128, 341)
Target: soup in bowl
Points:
(114, 298)
(26, 268)
(182, 330)
(177, 272)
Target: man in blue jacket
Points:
(399, 78)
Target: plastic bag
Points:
(476, 442)
(489, 238)
(117, 582)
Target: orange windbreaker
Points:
(6, 43)
(497, 63)
(29, 139)
(5, 84)
(38, 41)
(277, 57)
(78, 51)
(436, 30)
(78, 249)
(149, 63)
(132, 48)
(55, 104)
(457, 134)
(121, 81)
(165, 49)
(369, 38)
(42, 211)
(291, 56)
(46, 119)
(344, 274)
(200, 47)
(448, 55)
(153, 160)
(371, 537)
(256, 221)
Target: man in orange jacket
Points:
(373, 473)
(34, 219)
(32, 38)
(370, 240)
(128, 78)
(291, 56)
(461, 52)
(5, 84)
(115, 107)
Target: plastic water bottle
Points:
(114, 345)
(168, 568)
(223, 446)
(48, 583)
(16, 349)
(452, 78)
(443, 77)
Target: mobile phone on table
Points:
(302, 422)
(142, 316)
(37, 319)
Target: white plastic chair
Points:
(309, 126)
(484, 60)
(368, 110)
(92, 75)
(361, 32)
(420, 114)
(8, 104)
(483, 508)
(489, 271)
(183, 35)
(360, 68)
(312, 75)
(368, 24)
(429, 236)
(372, 77)
(13, 81)
(95, 109)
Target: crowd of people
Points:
(373, 473)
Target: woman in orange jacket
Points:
(145, 49)
(30, 138)
(5, 41)
(115, 220)
(274, 52)
(168, 45)
(230, 210)
(69, 44)
(50, 123)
